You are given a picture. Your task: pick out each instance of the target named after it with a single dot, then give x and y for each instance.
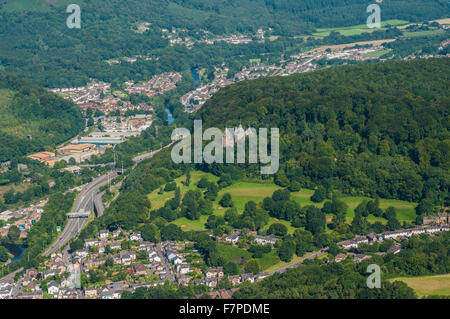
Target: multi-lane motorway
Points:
(89, 195)
(84, 201)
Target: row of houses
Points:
(261, 240)
(372, 237)
(356, 257)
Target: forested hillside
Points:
(35, 42)
(378, 129)
(32, 118)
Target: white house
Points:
(183, 269)
(136, 236)
(233, 238)
(262, 240)
(53, 288)
(103, 234)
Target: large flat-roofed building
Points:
(101, 140)
(41, 156)
(76, 148)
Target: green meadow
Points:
(242, 192)
(240, 256)
(377, 53)
(438, 285)
(425, 33)
(358, 29)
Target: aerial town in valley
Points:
(118, 261)
(177, 36)
(298, 63)
(98, 95)
(103, 249)
(23, 219)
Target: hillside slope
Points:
(377, 129)
(31, 118)
(36, 44)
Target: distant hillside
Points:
(243, 14)
(32, 118)
(36, 44)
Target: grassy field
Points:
(350, 45)
(158, 200)
(377, 53)
(233, 253)
(428, 285)
(413, 34)
(357, 29)
(242, 192)
(238, 255)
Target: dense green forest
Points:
(377, 129)
(36, 43)
(33, 118)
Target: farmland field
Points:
(350, 45)
(357, 29)
(428, 285)
(377, 53)
(423, 33)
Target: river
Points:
(196, 76)
(170, 117)
(16, 251)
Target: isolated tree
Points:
(319, 195)
(3, 254)
(76, 244)
(281, 195)
(188, 177)
(225, 180)
(359, 224)
(230, 268)
(286, 250)
(424, 208)
(212, 190)
(315, 220)
(203, 182)
(277, 229)
(226, 200)
(294, 186)
(170, 187)
(252, 266)
(109, 262)
(150, 232)
(13, 233)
